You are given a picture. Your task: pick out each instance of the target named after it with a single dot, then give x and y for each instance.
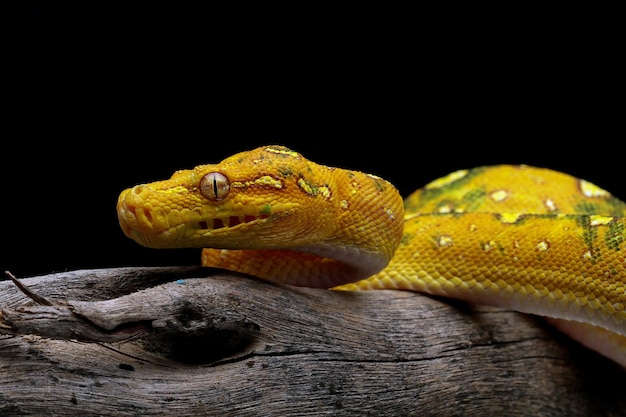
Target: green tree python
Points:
(514, 236)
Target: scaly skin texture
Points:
(520, 237)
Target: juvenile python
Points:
(519, 237)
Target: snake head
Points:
(248, 200)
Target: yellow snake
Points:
(520, 237)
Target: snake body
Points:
(530, 239)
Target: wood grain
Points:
(193, 341)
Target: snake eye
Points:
(214, 186)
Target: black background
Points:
(99, 99)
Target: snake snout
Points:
(132, 213)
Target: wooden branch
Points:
(190, 341)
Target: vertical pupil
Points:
(214, 186)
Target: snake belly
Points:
(526, 238)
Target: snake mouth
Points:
(228, 222)
(192, 234)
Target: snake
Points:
(519, 237)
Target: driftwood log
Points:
(192, 341)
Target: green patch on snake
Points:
(614, 206)
(379, 183)
(615, 235)
(613, 238)
(472, 198)
(551, 215)
(592, 256)
(285, 171)
(265, 209)
(314, 190)
(609, 206)
(307, 187)
(468, 202)
(618, 206)
(406, 239)
(590, 233)
(587, 207)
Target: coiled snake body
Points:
(530, 239)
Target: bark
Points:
(193, 341)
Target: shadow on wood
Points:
(191, 341)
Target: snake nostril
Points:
(138, 189)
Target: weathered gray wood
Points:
(234, 346)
